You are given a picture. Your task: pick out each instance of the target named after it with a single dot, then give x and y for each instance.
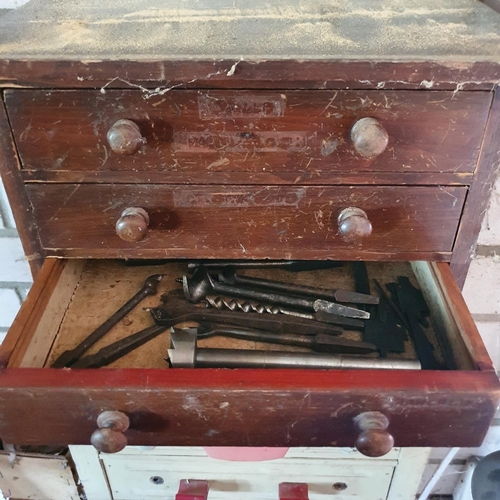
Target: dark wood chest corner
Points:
(244, 160)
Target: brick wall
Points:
(482, 287)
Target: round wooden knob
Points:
(133, 224)
(354, 225)
(373, 439)
(369, 137)
(124, 137)
(109, 437)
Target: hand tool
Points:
(317, 343)
(361, 281)
(120, 348)
(201, 284)
(415, 308)
(67, 358)
(177, 310)
(248, 306)
(228, 275)
(383, 330)
(287, 265)
(184, 354)
(392, 305)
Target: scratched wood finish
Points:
(21, 208)
(479, 195)
(306, 133)
(245, 222)
(270, 74)
(219, 407)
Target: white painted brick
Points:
(4, 204)
(9, 306)
(12, 4)
(490, 333)
(482, 286)
(13, 264)
(490, 230)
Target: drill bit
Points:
(249, 306)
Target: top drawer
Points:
(197, 133)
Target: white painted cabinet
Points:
(331, 473)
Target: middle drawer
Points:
(248, 222)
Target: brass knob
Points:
(354, 225)
(109, 437)
(369, 137)
(373, 439)
(133, 224)
(124, 137)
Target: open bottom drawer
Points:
(231, 407)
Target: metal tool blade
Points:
(332, 308)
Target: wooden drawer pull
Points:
(133, 224)
(373, 439)
(354, 225)
(109, 437)
(124, 137)
(369, 137)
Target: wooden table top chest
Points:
(241, 132)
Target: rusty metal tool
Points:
(248, 306)
(68, 358)
(229, 275)
(185, 354)
(392, 305)
(287, 265)
(317, 343)
(201, 284)
(416, 310)
(120, 348)
(176, 309)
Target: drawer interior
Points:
(88, 292)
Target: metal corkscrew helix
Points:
(242, 305)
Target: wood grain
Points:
(479, 194)
(195, 132)
(253, 178)
(33, 307)
(21, 208)
(290, 74)
(246, 222)
(187, 407)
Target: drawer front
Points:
(159, 476)
(222, 407)
(198, 133)
(248, 221)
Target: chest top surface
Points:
(451, 30)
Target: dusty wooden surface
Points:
(149, 29)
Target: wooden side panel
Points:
(21, 208)
(34, 307)
(191, 132)
(247, 221)
(187, 407)
(479, 195)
